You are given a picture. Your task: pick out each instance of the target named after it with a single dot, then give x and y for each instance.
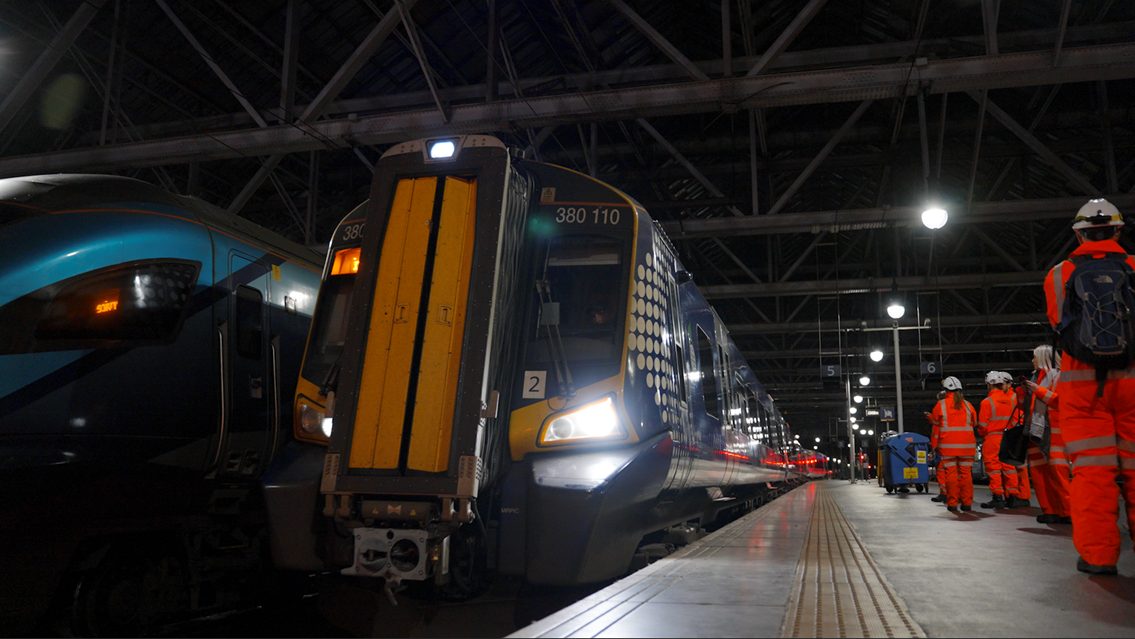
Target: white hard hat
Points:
(952, 383)
(1006, 377)
(993, 377)
(1097, 212)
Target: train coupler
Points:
(398, 554)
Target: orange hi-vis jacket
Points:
(993, 418)
(954, 436)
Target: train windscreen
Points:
(329, 327)
(584, 289)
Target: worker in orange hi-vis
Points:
(1022, 496)
(938, 472)
(1048, 465)
(992, 419)
(1097, 380)
(955, 444)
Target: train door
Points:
(248, 429)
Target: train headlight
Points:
(594, 421)
(442, 149)
(312, 419)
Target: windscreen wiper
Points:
(550, 318)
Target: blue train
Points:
(511, 372)
(149, 347)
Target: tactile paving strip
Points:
(840, 591)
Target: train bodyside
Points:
(695, 415)
(147, 362)
(487, 412)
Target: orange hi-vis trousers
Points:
(993, 419)
(1099, 436)
(1002, 477)
(958, 473)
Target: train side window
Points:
(136, 302)
(682, 393)
(249, 321)
(752, 418)
(708, 375)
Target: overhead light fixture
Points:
(870, 432)
(817, 440)
(862, 431)
(877, 355)
(864, 381)
(858, 399)
(852, 419)
(934, 217)
(896, 310)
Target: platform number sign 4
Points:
(534, 384)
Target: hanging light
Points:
(858, 399)
(864, 381)
(877, 355)
(895, 310)
(934, 217)
(853, 410)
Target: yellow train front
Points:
(529, 382)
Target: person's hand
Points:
(1031, 384)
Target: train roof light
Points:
(442, 149)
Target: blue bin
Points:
(903, 458)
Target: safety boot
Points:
(1018, 502)
(1047, 518)
(996, 502)
(1093, 569)
(952, 509)
(966, 508)
(938, 498)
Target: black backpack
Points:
(1097, 325)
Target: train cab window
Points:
(249, 321)
(708, 374)
(329, 326)
(584, 283)
(137, 302)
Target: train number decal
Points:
(581, 215)
(535, 383)
(352, 232)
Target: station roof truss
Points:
(787, 146)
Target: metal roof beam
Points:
(876, 218)
(31, 78)
(1035, 144)
(664, 73)
(949, 321)
(873, 285)
(659, 40)
(787, 36)
(212, 64)
(879, 81)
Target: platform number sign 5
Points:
(534, 384)
(830, 371)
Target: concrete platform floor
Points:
(838, 559)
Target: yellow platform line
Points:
(839, 589)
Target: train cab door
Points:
(248, 429)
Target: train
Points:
(149, 349)
(510, 372)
